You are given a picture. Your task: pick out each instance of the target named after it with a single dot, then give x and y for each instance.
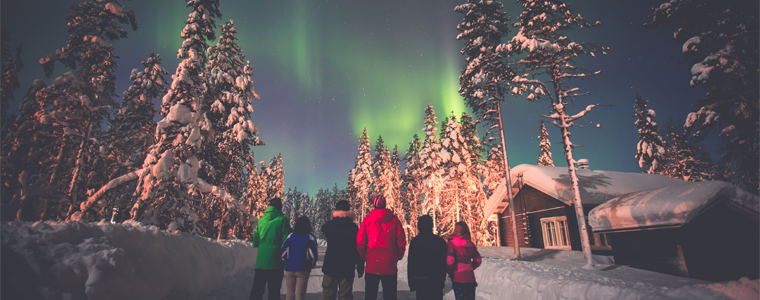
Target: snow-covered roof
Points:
(671, 206)
(596, 187)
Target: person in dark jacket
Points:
(268, 236)
(426, 265)
(341, 257)
(381, 243)
(299, 252)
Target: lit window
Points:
(556, 235)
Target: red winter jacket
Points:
(381, 242)
(462, 259)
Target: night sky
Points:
(326, 69)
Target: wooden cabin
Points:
(706, 230)
(543, 204)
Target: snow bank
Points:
(75, 260)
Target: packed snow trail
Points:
(75, 260)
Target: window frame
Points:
(551, 228)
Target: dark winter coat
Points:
(268, 236)
(381, 242)
(299, 252)
(462, 259)
(427, 260)
(341, 257)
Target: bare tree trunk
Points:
(508, 177)
(77, 169)
(568, 149)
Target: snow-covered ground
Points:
(125, 261)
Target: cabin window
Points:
(601, 242)
(555, 231)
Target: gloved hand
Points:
(360, 269)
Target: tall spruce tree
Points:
(361, 180)
(540, 51)
(720, 40)
(68, 116)
(229, 98)
(650, 149)
(11, 66)
(484, 78)
(430, 168)
(382, 170)
(411, 184)
(275, 179)
(545, 156)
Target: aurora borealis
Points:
(325, 69)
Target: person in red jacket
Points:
(381, 242)
(462, 260)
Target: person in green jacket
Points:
(270, 232)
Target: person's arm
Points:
(361, 241)
(451, 259)
(285, 250)
(411, 266)
(313, 254)
(400, 238)
(357, 258)
(256, 237)
(476, 259)
(286, 230)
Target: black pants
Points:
(464, 291)
(429, 289)
(271, 278)
(371, 286)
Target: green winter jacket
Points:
(270, 232)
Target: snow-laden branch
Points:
(582, 113)
(84, 206)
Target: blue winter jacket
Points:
(299, 252)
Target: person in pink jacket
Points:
(462, 260)
(381, 242)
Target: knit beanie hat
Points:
(425, 224)
(342, 205)
(276, 202)
(378, 201)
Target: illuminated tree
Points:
(545, 156)
(360, 179)
(430, 168)
(484, 78)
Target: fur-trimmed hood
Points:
(344, 214)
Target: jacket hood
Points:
(383, 215)
(460, 241)
(344, 214)
(272, 212)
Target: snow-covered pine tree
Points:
(11, 66)
(411, 185)
(256, 195)
(455, 161)
(682, 159)
(361, 180)
(650, 147)
(127, 141)
(483, 80)
(229, 97)
(396, 188)
(382, 170)
(540, 49)
(492, 171)
(720, 41)
(470, 135)
(545, 156)
(25, 151)
(169, 186)
(275, 179)
(71, 112)
(324, 203)
(430, 168)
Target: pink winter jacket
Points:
(462, 260)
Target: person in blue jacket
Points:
(299, 252)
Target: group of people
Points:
(380, 242)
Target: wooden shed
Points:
(543, 204)
(706, 230)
